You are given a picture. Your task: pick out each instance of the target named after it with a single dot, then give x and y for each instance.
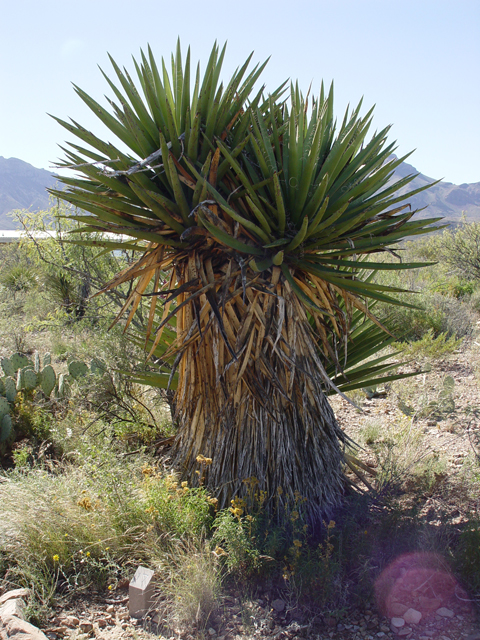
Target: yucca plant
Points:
(256, 217)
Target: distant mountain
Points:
(445, 199)
(24, 187)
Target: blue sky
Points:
(417, 61)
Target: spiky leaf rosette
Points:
(256, 220)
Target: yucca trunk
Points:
(264, 413)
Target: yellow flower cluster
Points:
(147, 470)
(203, 460)
(85, 503)
(238, 507)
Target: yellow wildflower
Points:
(297, 543)
(56, 558)
(85, 502)
(88, 554)
(220, 552)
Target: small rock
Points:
(412, 616)
(16, 628)
(13, 607)
(397, 622)
(72, 621)
(397, 609)
(102, 623)
(340, 626)
(331, 622)
(212, 632)
(14, 593)
(110, 608)
(86, 626)
(278, 605)
(445, 613)
(406, 631)
(124, 615)
(380, 634)
(59, 631)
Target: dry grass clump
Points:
(189, 582)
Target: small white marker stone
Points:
(140, 592)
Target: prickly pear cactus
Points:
(20, 380)
(19, 361)
(30, 379)
(36, 363)
(97, 366)
(48, 379)
(47, 359)
(5, 427)
(4, 407)
(77, 369)
(2, 388)
(10, 389)
(7, 367)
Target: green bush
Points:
(176, 510)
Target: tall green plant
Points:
(257, 217)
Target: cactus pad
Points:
(48, 379)
(19, 361)
(97, 366)
(5, 427)
(61, 386)
(7, 367)
(4, 407)
(36, 363)
(77, 369)
(10, 389)
(47, 359)
(20, 380)
(30, 379)
(2, 388)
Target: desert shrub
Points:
(460, 249)
(68, 274)
(429, 346)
